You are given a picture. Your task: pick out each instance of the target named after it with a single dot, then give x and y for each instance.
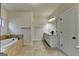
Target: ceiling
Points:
(43, 9)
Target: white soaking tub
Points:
(4, 44)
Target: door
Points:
(69, 32)
(26, 31)
(59, 32)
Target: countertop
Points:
(48, 33)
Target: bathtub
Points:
(7, 43)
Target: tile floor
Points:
(39, 48)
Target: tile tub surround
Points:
(19, 36)
(39, 48)
(3, 54)
(4, 37)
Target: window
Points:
(1, 22)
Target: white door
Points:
(69, 32)
(26, 31)
(59, 32)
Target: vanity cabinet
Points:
(51, 40)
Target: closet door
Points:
(68, 32)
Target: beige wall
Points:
(62, 7)
(39, 23)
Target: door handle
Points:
(73, 37)
(61, 45)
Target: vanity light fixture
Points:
(52, 19)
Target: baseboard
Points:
(46, 43)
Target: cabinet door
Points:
(69, 32)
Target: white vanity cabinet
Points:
(69, 31)
(51, 40)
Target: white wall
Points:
(57, 12)
(4, 30)
(36, 23)
(67, 27)
(39, 23)
(18, 20)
